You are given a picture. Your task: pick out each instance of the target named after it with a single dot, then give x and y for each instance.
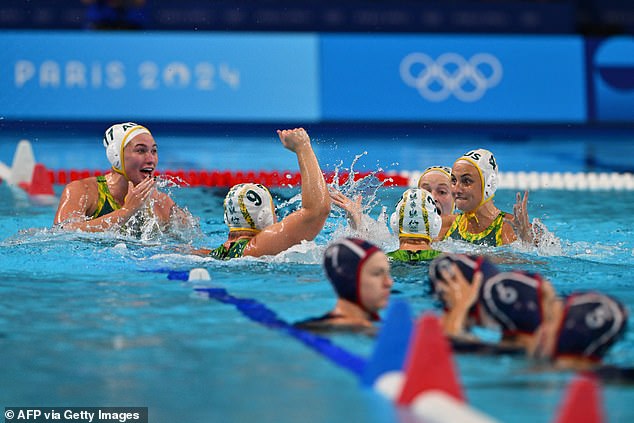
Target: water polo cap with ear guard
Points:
(592, 322)
(487, 167)
(343, 261)
(443, 170)
(116, 138)
(249, 207)
(416, 215)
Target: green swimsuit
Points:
(491, 236)
(413, 256)
(235, 250)
(106, 203)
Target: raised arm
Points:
(308, 221)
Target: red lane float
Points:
(227, 178)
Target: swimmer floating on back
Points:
(359, 272)
(99, 203)
(250, 214)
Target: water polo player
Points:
(474, 180)
(99, 203)
(437, 181)
(416, 221)
(359, 272)
(584, 328)
(249, 211)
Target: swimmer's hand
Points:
(460, 296)
(456, 290)
(294, 139)
(520, 223)
(353, 208)
(138, 195)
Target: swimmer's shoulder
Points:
(329, 323)
(615, 374)
(86, 185)
(475, 346)
(447, 221)
(164, 205)
(82, 192)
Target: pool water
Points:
(95, 320)
(99, 319)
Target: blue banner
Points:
(453, 78)
(159, 76)
(612, 79)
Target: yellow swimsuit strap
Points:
(104, 195)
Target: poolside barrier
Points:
(569, 181)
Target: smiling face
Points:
(140, 158)
(376, 282)
(466, 186)
(439, 185)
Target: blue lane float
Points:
(404, 351)
(263, 315)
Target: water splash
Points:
(365, 187)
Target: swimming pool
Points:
(95, 320)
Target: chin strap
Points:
(471, 215)
(120, 172)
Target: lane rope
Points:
(260, 313)
(569, 181)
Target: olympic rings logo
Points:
(451, 74)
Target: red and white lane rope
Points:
(507, 180)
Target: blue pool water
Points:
(94, 320)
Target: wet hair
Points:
(592, 322)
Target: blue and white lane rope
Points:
(260, 313)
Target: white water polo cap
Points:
(487, 167)
(116, 138)
(416, 215)
(443, 170)
(249, 207)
